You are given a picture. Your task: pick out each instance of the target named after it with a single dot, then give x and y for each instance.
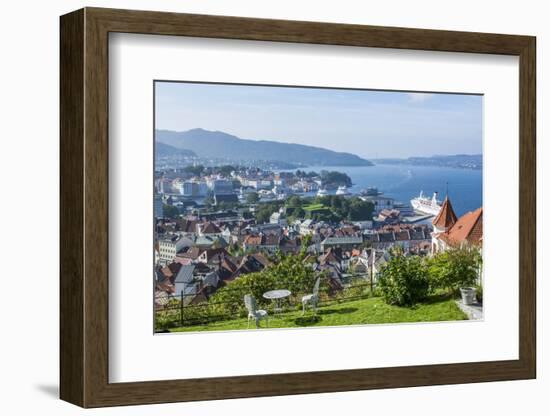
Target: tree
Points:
(194, 170)
(334, 178)
(264, 211)
(337, 202)
(305, 243)
(208, 201)
(323, 200)
(360, 210)
(294, 201)
(298, 212)
(455, 268)
(171, 211)
(289, 272)
(263, 215)
(404, 280)
(235, 249)
(252, 198)
(226, 170)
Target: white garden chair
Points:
(253, 313)
(312, 298)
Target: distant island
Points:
(451, 161)
(219, 145)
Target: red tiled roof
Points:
(253, 240)
(169, 272)
(446, 216)
(468, 228)
(263, 260)
(188, 226)
(270, 240)
(329, 257)
(210, 228)
(213, 253)
(192, 253)
(229, 265)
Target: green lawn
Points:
(314, 207)
(364, 311)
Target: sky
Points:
(370, 124)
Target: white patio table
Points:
(277, 295)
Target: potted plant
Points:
(457, 270)
(468, 295)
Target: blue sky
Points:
(371, 124)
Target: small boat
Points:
(371, 191)
(342, 190)
(322, 192)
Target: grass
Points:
(314, 207)
(359, 312)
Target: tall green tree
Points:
(226, 170)
(294, 201)
(194, 170)
(252, 198)
(360, 210)
(171, 211)
(288, 272)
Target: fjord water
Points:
(404, 182)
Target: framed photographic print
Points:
(255, 207)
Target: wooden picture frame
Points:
(84, 207)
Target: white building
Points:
(278, 218)
(260, 183)
(158, 206)
(364, 225)
(306, 227)
(202, 188)
(380, 202)
(178, 185)
(220, 186)
(278, 180)
(163, 185)
(187, 188)
(169, 247)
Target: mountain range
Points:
(163, 150)
(452, 161)
(220, 145)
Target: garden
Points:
(408, 288)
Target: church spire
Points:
(446, 217)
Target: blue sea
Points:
(404, 182)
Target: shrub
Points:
(165, 320)
(479, 293)
(404, 280)
(230, 299)
(289, 272)
(455, 268)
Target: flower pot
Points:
(468, 295)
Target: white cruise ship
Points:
(426, 205)
(322, 192)
(342, 190)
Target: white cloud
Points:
(419, 97)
